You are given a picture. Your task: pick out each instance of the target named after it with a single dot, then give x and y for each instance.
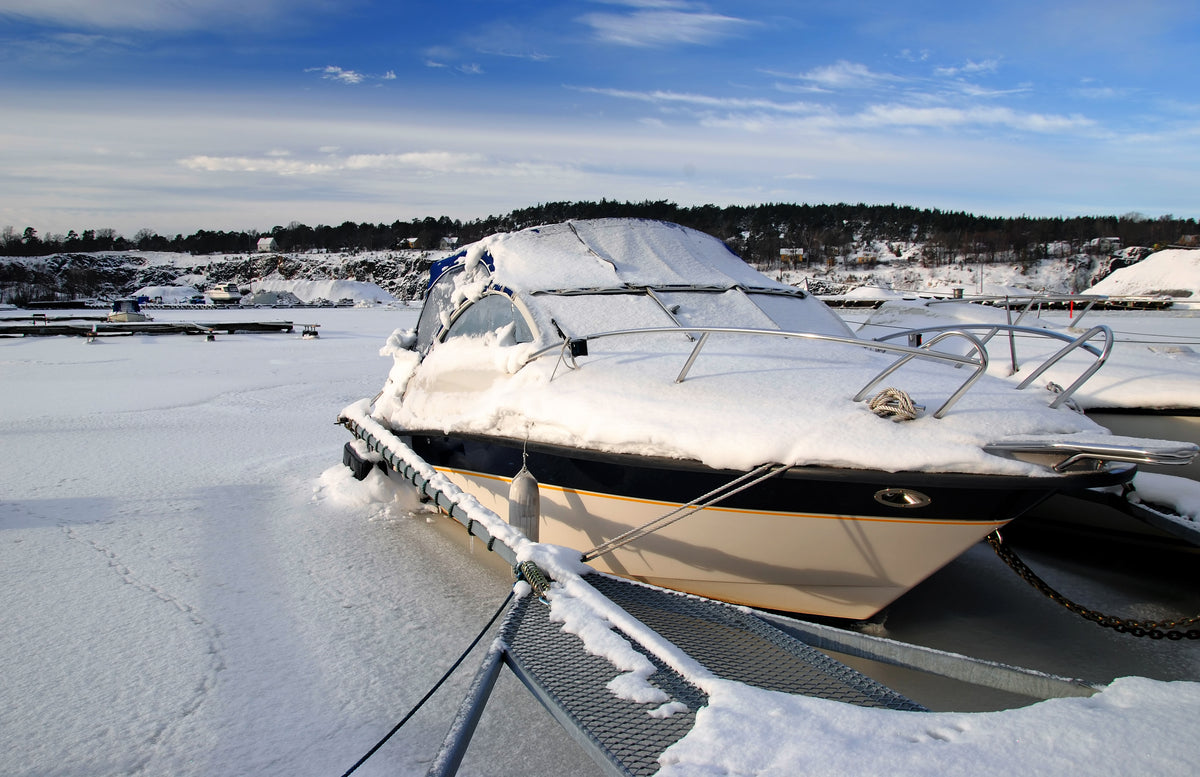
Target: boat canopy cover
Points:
(607, 254)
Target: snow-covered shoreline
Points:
(382, 276)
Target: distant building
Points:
(267, 244)
(791, 255)
(1058, 248)
(1105, 244)
(448, 243)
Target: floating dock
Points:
(723, 641)
(100, 327)
(621, 736)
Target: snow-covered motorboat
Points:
(126, 311)
(696, 425)
(224, 294)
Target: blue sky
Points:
(178, 115)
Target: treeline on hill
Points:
(757, 232)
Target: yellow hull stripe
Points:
(634, 500)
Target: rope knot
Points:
(894, 404)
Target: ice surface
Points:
(194, 585)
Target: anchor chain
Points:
(1152, 629)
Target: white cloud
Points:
(153, 14)
(228, 164)
(206, 163)
(662, 25)
(975, 90)
(986, 66)
(1101, 92)
(335, 73)
(758, 115)
(945, 117)
(705, 101)
(426, 161)
(505, 39)
(843, 75)
(433, 161)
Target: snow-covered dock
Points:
(101, 328)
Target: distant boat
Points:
(126, 310)
(224, 294)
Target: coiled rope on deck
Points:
(435, 687)
(893, 403)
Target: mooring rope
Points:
(435, 687)
(893, 403)
(741, 483)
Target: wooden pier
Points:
(98, 326)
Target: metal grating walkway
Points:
(736, 645)
(730, 642)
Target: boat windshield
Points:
(583, 314)
(491, 313)
(439, 306)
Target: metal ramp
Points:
(736, 645)
(621, 736)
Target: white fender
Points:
(524, 504)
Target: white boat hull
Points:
(841, 566)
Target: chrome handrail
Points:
(1163, 454)
(980, 351)
(1080, 342)
(578, 346)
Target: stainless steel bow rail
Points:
(1081, 343)
(736, 643)
(573, 347)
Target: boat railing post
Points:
(692, 357)
(1012, 340)
(926, 351)
(1076, 344)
